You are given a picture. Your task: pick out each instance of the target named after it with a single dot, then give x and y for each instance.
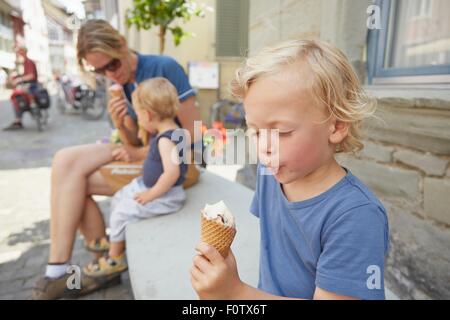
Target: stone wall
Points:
(406, 163)
(407, 149)
(339, 22)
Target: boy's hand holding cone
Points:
(214, 273)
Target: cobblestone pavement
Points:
(25, 161)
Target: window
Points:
(231, 28)
(414, 41)
(6, 32)
(421, 8)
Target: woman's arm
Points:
(131, 150)
(129, 132)
(169, 176)
(127, 127)
(187, 114)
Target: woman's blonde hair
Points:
(158, 96)
(98, 35)
(334, 81)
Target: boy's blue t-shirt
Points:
(152, 66)
(336, 241)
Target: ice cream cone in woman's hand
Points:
(116, 91)
(218, 227)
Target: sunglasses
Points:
(111, 66)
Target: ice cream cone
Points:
(115, 91)
(217, 235)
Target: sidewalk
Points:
(24, 237)
(5, 94)
(24, 197)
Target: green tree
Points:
(165, 14)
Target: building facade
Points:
(61, 38)
(11, 29)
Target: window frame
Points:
(376, 55)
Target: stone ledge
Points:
(411, 97)
(160, 249)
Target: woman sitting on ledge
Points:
(77, 172)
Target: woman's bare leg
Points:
(71, 168)
(92, 225)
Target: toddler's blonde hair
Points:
(334, 82)
(158, 96)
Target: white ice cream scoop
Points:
(220, 213)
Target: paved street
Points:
(25, 161)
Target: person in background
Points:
(29, 76)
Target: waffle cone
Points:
(115, 91)
(217, 235)
(115, 94)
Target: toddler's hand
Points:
(143, 197)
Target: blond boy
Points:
(324, 235)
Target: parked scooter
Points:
(37, 103)
(75, 95)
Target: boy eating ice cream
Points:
(324, 235)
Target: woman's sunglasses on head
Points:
(111, 66)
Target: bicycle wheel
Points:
(93, 108)
(44, 116)
(37, 115)
(61, 101)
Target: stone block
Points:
(385, 180)
(437, 199)
(422, 129)
(428, 163)
(377, 151)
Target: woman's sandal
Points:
(97, 245)
(106, 266)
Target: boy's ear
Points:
(339, 131)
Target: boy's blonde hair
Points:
(158, 96)
(334, 81)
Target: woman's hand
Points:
(127, 153)
(117, 109)
(214, 277)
